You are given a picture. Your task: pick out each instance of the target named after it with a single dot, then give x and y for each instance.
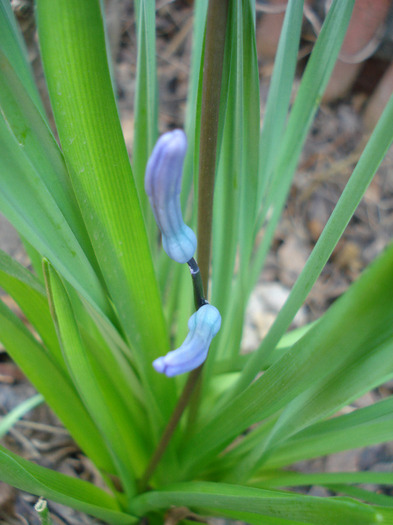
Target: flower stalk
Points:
(199, 295)
(211, 88)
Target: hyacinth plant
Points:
(125, 302)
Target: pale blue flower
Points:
(203, 325)
(163, 185)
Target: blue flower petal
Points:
(163, 184)
(203, 325)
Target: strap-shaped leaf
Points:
(73, 50)
(69, 491)
(13, 46)
(222, 497)
(280, 89)
(298, 479)
(313, 84)
(28, 292)
(363, 174)
(235, 199)
(38, 144)
(146, 110)
(54, 385)
(363, 427)
(361, 318)
(370, 367)
(102, 403)
(28, 205)
(9, 420)
(340, 482)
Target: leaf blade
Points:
(53, 384)
(349, 322)
(50, 484)
(83, 102)
(84, 377)
(318, 511)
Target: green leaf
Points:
(73, 51)
(235, 200)
(122, 391)
(254, 519)
(146, 107)
(219, 496)
(28, 199)
(386, 514)
(52, 382)
(370, 369)
(28, 292)
(364, 371)
(101, 402)
(359, 321)
(9, 420)
(25, 201)
(363, 427)
(280, 89)
(274, 120)
(38, 144)
(313, 83)
(365, 495)
(13, 46)
(368, 164)
(297, 479)
(52, 485)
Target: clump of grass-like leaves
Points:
(105, 301)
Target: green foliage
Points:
(108, 301)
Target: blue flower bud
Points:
(203, 325)
(162, 185)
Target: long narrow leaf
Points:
(74, 56)
(38, 144)
(27, 203)
(28, 292)
(277, 105)
(307, 509)
(369, 368)
(337, 481)
(298, 479)
(368, 164)
(145, 128)
(237, 172)
(363, 316)
(364, 427)
(9, 420)
(13, 45)
(53, 384)
(273, 124)
(50, 484)
(99, 402)
(313, 84)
